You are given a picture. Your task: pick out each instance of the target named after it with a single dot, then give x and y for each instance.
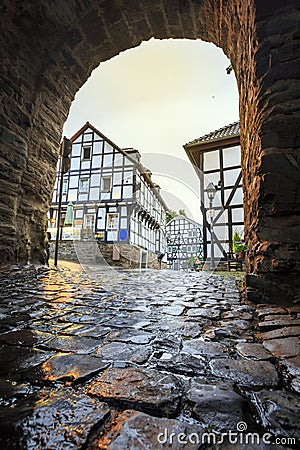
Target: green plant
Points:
(171, 214)
(238, 245)
(195, 262)
(191, 261)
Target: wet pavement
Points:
(144, 360)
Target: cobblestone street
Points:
(143, 360)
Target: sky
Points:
(156, 98)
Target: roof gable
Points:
(187, 219)
(144, 172)
(233, 129)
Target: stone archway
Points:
(49, 51)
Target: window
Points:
(87, 137)
(127, 191)
(75, 163)
(95, 180)
(65, 186)
(86, 152)
(105, 184)
(79, 213)
(211, 160)
(116, 192)
(83, 185)
(89, 221)
(107, 160)
(94, 193)
(112, 221)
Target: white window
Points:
(105, 184)
(86, 152)
(79, 213)
(83, 185)
(112, 221)
(65, 186)
(89, 221)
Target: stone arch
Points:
(50, 50)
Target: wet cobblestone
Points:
(107, 360)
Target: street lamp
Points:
(65, 152)
(211, 192)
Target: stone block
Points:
(135, 430)
(50, 420)
(286, 331)
(149, 391)
(280, 323)
(253, 351)
(283, 348)
(216, 405)
(245, 373)
(279, 412)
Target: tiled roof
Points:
(229, 130)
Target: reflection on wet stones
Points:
(139, 431)
(130, 321)
(131, 336)
(10, 390)
(141, 340)
(18, 358)
(25, 337)
(216, 405)
(203, 312)
(119, 351)
(145, 390)
(174, 310)
(49, 420)
(97, 331)
(204, 348)
(71, 367)
(51, 327)
(181, 363)
(76, 344)
(279, 411)
(290, 370)
(247, 373)
(168, 341)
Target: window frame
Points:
(112, 222)
(102, 187)
(65, 186)
(80, 188)
(84, 149)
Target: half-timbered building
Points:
(112, 195)
(216, 158)
(184, 242)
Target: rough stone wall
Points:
(273, 225)
(263, 45)
(48, 50)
